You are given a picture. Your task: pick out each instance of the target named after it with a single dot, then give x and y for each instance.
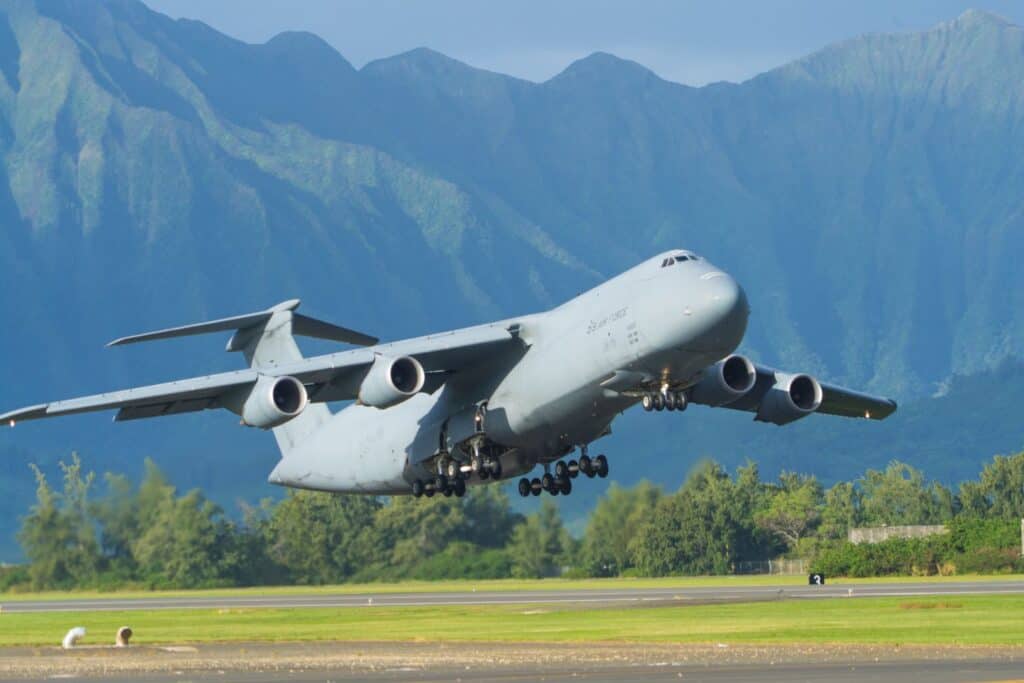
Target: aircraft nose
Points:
(726, 310)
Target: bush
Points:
(463, 560)
(14, 577)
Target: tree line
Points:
(115, 534)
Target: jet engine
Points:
(724, 382)
(790, 398)
(273, 401)
(391, 381)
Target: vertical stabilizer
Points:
(272, 343)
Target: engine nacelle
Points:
(724, 382)
(791, 398)
(391, 381)
(274, 401)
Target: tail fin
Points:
(271, 343)
(267, 339)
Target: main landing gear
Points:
(560, 483)
(451, 476)
(664, 400)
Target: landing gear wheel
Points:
(452, 470)
(659, 402)
(547, 481)
(574, 469)
(536, 487)
(440, 483)
(459, 487)
(648, 402)
(495, 468)
(565, 484)
(561, 470)
(586, 466)
(483, 474)
(670, 401)
(428, 492)
(601, 465)
(524, 487)
(417, 488)
(448, 492)
(681, 401)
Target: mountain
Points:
(156, 172)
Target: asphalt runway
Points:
(615, 596)
(973, 671)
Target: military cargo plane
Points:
(433, 414)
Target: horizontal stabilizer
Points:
(301, 325)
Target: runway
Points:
(514, 662)
(613, 596)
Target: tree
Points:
(186, 543)
(842, 511)
(900, 495)
(794, 508)
(1000, 490)
(540, 544)
(321, 537)
(609, 542)
(59, 534)
(703, 528)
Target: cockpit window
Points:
(680, 259)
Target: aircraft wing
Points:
(835, 400)
(845, 402)
(334, 377)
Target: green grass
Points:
(497, 585)
(959, 620)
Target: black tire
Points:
(440, 482)
(601, 465)
(647, 402)
(459, 487)
(483, 474)
(448, 492)
(524, 487)
(553, 490)
(561, 470)
(586, 466)
(547, 481)
(565, 484)
(574, 469)
(682, 402)
(429, 493)
(659, 402)
(417, 488)
(536, 487)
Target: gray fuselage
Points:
(657, 325)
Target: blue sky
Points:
(689, 42)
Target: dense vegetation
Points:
(151, 535)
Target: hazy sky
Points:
(689, 42)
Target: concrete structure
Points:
(884, 533)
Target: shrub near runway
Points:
(969, 620)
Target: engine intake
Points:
(391, 381)
(791, 398)
(273, 401)
(724, 382)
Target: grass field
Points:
(501, 585)
(960, 620)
